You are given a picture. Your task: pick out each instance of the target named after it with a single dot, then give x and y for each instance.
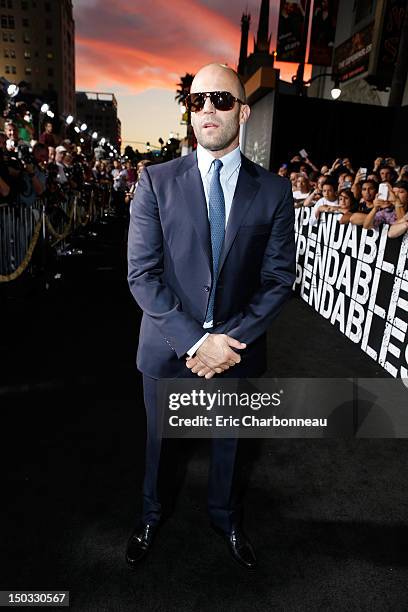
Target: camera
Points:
(24, 154)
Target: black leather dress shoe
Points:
(239, 546)
(140, 543)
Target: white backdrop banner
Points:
(358, 280)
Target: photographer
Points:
(4, 175)
(34, 177)
(11, 166)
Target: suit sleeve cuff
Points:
(197, 345)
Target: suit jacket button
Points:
(206, 288)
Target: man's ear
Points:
(244, 113)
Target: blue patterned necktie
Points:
(216, 213)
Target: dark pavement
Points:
(328, 517)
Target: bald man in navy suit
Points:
(211, 256)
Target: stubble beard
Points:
(218, 142)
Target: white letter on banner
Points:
(352, 320)
(337, 233)
(320, 260)
(305, 215)
(384, 265)
(369, 239)
(309, 254)
(366, 335)
(379, 310)
(316, 292)
(325, 310)
(331, 276)
(403, 254)
(323, 235)
(301, 246)
(307, 273)
(388, 347)
(350, 240)
(344, 277)
(362, 279)
(338, 312)
(299, 271)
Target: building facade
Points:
(368, 35)
(100, 112)
(37, 46)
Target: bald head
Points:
(218, 77)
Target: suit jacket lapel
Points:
(245, 191)
(194, 204)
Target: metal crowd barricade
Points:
(22, 226)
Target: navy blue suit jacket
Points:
(169, 263)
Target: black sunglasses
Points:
(221, 100)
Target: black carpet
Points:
(328, 518)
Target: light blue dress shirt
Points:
(231, 164)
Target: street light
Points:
(69, 120)
(95, 135)
(44, 108)
(84, 127)
(335, 92)
(12, 90)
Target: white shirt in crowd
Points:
(320, 202)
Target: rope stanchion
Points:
(82, 208)
(65, 232)
(5, 278)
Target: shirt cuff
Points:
(197, 345)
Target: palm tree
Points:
(184, 87)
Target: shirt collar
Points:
(230, 162)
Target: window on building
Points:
(28, 70)
(14, 70)
(26, 39)
(6, 53)
(5, 36)
(48, 24)
(50, 86)
(13, 53)
(6, 4)
(48, 41)
(26, 22)
(12, 37)
(50, 71)
(27, 54)
(3, 3)
(50, 56)
(47, 6)
(7, 69)
(7, 22)
(10, 4)
(24, 5)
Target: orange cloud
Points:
(186, 35)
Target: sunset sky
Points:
(138, 50)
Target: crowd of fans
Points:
(45, 169)
(52, 167)
(362, 196)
